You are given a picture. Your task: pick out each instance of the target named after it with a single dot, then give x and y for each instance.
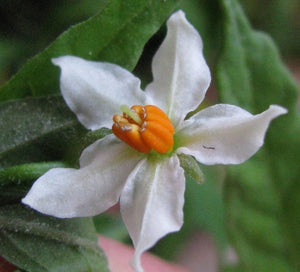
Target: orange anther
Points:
(147, 128)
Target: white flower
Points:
(150, 186)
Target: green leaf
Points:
(35, 129)
(116, 34)
(16, 181)
(261, 196)
(35, 242)
(41, 129)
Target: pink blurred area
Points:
(119, 256)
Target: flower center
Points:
(144, 128)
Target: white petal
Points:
(181, 75)
(225, 134)
(94, 91)
(152, 203)
(65, 192)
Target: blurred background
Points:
(28, 26)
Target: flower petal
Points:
(65, 192)
(225, 134)
(152, 203)
(94, 91)
(181, 75)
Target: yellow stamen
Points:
(144, 128)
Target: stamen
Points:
(132, 114)
(144, 128)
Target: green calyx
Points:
(191, 168)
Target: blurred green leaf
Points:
(262, 195)
(280, 19)
(111, 225)
(116, 34)
(203, 204)
(35, 242)
(205, 16)
(27, 27)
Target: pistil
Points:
(132, 114)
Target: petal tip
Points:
(25, 201)
(59, 61)
(278, 110)
(177, 16)
(31, 201)
(136, 262)
(56, 61)
(178, 13)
